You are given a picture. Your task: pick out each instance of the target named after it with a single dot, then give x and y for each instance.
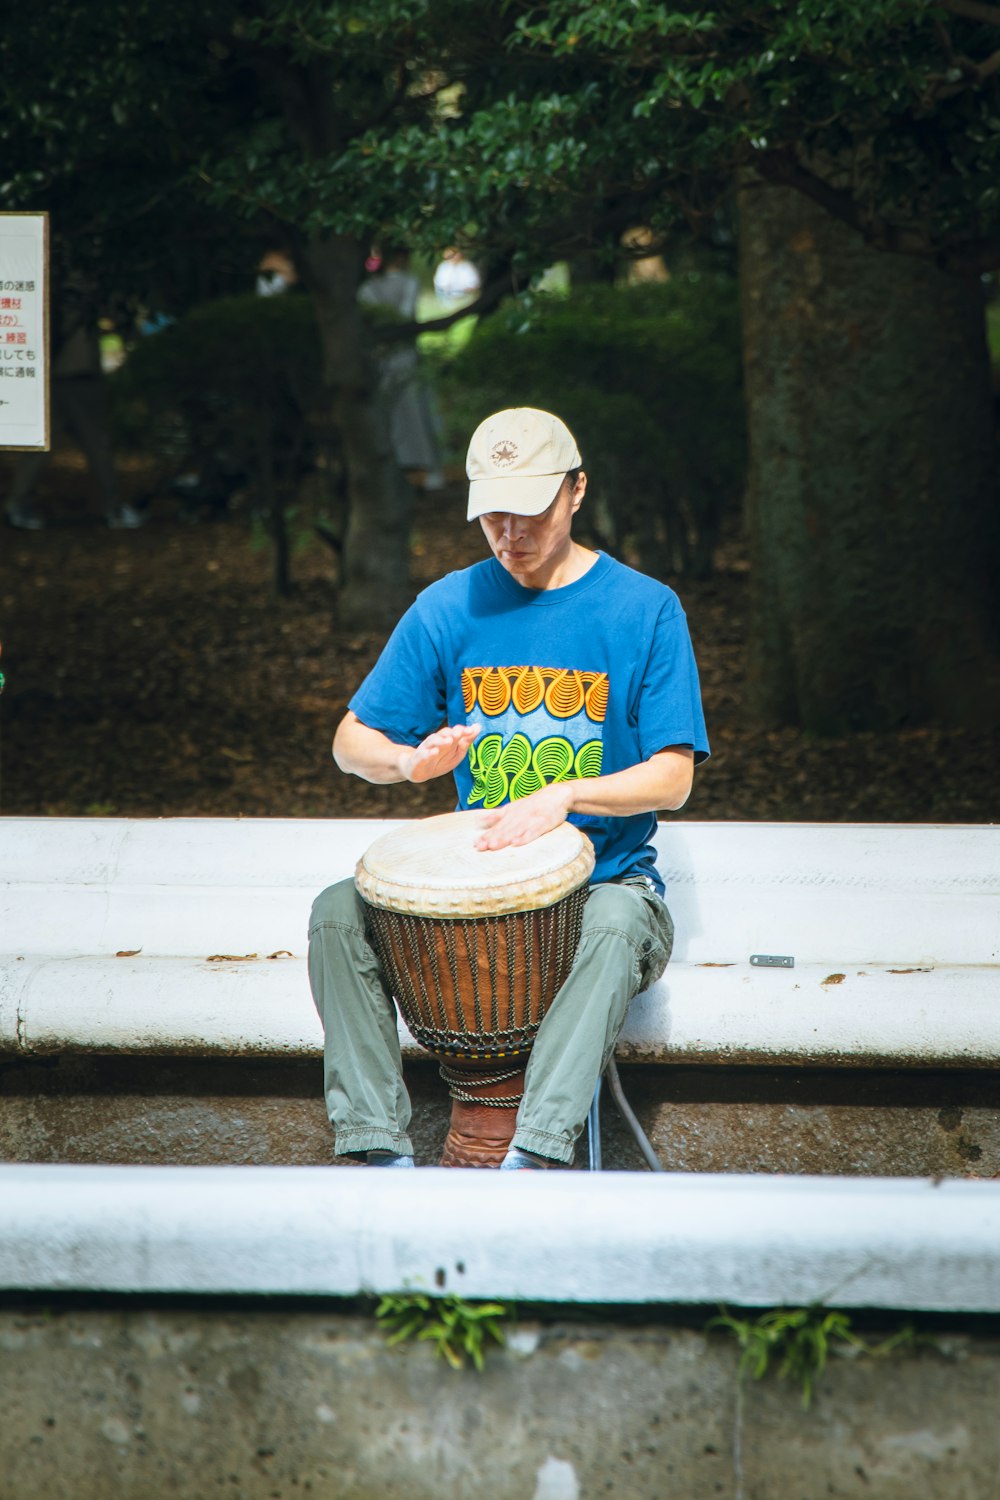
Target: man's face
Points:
(531, 548)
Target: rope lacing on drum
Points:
(417, 971)
(455, 1082)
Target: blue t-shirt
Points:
(577, 681)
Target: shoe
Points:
(517, 1160)
(387, 1159)
(125, 518)
(24, 520)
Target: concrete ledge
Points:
(559, 1237)
(895, 931)
(882, 1015)
(837, 893)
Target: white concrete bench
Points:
(895, 932)
(159, 936)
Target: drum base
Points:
(481, 1131)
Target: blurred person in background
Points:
(414, 424)
(456, 279)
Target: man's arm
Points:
(663, 781)
(370, 754)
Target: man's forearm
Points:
(368, 753)
(372, 755)
(664, 781)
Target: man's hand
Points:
(362, 751)
(528, 818)
(439, 753)
(662, 781)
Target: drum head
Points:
(431, 868)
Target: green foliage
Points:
(262, 338)
(459, 1330)
(887, 110)
(993, 331)
(649, 379)
(108, 147)
(237, 373)
(798, 1341)
(199, 131)
(234, 391)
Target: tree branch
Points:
(972, 257)
(973, 10)
(490, 297)
(988, 66)
(782, 170)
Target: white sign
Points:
(24, 331)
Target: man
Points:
(541, 607)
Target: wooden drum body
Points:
(474, 945)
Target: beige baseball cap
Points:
(517, 462)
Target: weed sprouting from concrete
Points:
(797, 1341)
(459, 1330)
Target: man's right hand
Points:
(368, 753)
(439, 753)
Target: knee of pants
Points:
(639, 917)
(340, 904)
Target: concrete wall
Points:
(141, 1402)
(199, 1111)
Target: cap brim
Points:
(527, 495)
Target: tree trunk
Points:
(872, 492)
(271, 500)
(376, 545)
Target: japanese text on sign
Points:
(24, 406)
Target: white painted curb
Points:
(561, 1237)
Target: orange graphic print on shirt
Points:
(543, 724)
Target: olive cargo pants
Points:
(624, 946)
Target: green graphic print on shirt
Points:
(544, 724)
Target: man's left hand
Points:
(528, 818)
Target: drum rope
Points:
(449, 946)
(432, 952)
(492, 944)
(472, 955)
(511, 969)
(490, 928)
(381, 930)
(409, 950)
(421, 942)
(455, 1082)
(561, 935)
(418, 938)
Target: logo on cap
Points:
(503, 454)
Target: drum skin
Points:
(431, 867)
(474, 944)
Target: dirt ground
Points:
(151, 673)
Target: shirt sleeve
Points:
(669, 710)
(404, 695)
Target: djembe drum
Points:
(474, 945)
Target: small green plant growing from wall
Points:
(459, 1330)
(797, 1341)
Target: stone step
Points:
(259, 1111)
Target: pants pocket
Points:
(656, 949)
